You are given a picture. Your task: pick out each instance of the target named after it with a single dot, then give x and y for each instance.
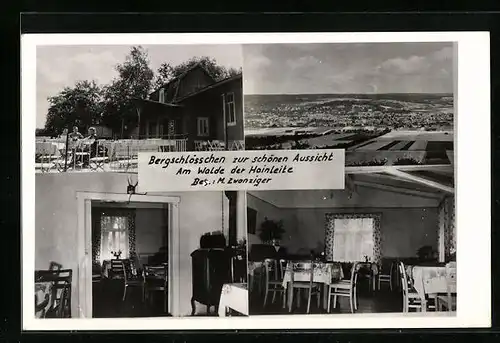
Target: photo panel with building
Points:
(102, 248)
(99, 106)
(387, 242)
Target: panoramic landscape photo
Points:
(385, 103)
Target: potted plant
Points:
(425, 253)
(271, 231)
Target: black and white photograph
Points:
(384, 103)
(347, 201)
(386, 243)
(104, 251)
(373, 248)
(99, 106)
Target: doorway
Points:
(135, 235)
(119, 214)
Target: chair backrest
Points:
(304, 266)
(282, 266)
(354, 273)
(45, 148)
(337, 271)
(271, 266)
(55, 266)
(61, 289)
(156, 273)
(405, 282)
(118, 267)
(385, 267)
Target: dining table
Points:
(428, 281)
(234, 296)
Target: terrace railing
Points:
(101, 155)
(218, 145)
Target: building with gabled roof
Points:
(194, 107)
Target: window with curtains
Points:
(113, 231)
(353, 237)
(114, 236)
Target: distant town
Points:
(367, 112)
(375, 129)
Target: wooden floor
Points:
(107, 302)
(383, 301)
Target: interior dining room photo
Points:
(385, 243)
(105, 250)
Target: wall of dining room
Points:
(56, 213)
(407, 222)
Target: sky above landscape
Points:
(62, 66)
(348, 68)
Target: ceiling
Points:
(370, 190)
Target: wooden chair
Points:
(99, 156)
(61, 291)
(411, 299)
(385, 274)
(55, 266)
(313, 288)
(274, 273)
(46, 153)
(156, 280)
(122, 268)
(345, 288)
(449, 301)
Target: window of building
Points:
(353, 239)
(162, 95)
(203, 128)
(230, 109)
(152, 127)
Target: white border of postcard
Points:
(473, 211)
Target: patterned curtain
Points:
(351, 237)
(113, 230)
(96, 235)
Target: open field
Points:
(414, 135)
(285, 131)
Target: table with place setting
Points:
(428, 281)
(323, 272)
(234, 297)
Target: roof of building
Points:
(213, 85)
(181, 76)
(157, 103)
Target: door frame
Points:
(84, 289)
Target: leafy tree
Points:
(271, 230)
(167, 72)
(79, 105)
(164, 74)
(134, 81)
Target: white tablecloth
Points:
(234, 296)
(428, 280)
